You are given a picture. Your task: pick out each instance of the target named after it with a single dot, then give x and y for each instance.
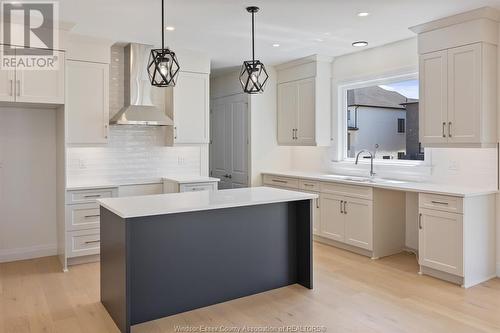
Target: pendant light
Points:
(253, 76)
(163, 67)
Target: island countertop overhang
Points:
(172, 203)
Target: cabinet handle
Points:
(345, 207)
(308, 185)
(279, 181)
(92, 196)
(420, 221)
(449, 129)
(444, 129)
(175, 132)
(106, 131)
(296, 134)
(90, 216)
(18, 90)
(92, 242)
(341, 209)
(440, 202)
(11, 88)
(317, 202)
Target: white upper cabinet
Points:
(304, 102)
(41, 86)
(87, 102)
(433, 97)
(34, 86)
(188, 104)
(458, 80)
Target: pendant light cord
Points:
(162, 25)
(253, 39)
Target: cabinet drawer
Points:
(291, 183)
(83, 242)
(89, 196)
(197, 187)
(363, 192)
(441, 202)
(82, 216)
(309, 185)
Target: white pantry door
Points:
(229, 141)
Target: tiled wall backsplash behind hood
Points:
(133, 154)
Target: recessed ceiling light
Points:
(170, 28)
(363, 14)
(276, 45)
(360, 43)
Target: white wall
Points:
(265, 153)
(27, 183)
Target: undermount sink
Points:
(365, 179)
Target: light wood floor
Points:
(351, 294)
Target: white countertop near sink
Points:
(161, 204)
(391, 184)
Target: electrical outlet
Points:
(82, 164)
(453, 166)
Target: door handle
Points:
(11, 87)
(444, 129)
(420, 221)
(449, 129)
(345, 207)
(317, 202)
(296, 132)
(341, 209)
(18, 90)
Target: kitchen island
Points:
(170, 253)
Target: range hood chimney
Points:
(139, 108)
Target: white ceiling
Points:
(221, 28)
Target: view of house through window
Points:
(384, 119)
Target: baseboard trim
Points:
(24, 253)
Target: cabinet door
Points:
(191, 108)
(464, 94)
(287, 112)
(87, 102)
(41, 86)
(359, 223)
(332, 217)
(306, 117)
(433, 113)
(7, 78)
(440, 241)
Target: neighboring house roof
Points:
(376, 97)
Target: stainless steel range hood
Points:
(139, 108)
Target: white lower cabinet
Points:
(79, 232)
(440, 241)
(359, 223)
(457, 238)
(332, 217)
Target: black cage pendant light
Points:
(253, 76)
(163, 67)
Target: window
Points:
(401, 125)
(382, 117)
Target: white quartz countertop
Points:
(191, 179)
(402, 185)
(161, 204)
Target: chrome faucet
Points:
(371, 161)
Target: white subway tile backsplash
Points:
(134, 153)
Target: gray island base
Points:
(197, 249)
